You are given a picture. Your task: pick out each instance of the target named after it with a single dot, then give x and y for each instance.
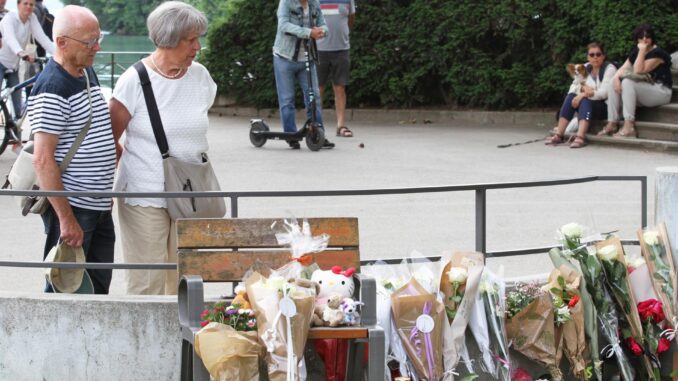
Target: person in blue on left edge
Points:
(297, 20)
(58, 110)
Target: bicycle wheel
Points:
(7, 128)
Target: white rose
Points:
(651, 237)
(608, 253)
(275, 283)
(636, 263)
(571, 230)
(457, 274)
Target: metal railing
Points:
(480, 211)
(109, 69)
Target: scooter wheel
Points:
(255, 134)
(315, 138)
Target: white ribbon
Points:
(451, 371)
(610, 349)
(670, 333)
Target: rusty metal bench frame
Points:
(223, 250)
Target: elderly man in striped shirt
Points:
(58, 109)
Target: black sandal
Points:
(344, 132)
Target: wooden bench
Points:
(223, 250)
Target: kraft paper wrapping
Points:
(407, 304)
(534, 333)
(574, 338)
(265, 301)
(229, 355)
(454, 332)
(668, 301)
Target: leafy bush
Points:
(409, 53)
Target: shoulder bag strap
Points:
(81, 136)
(152, 107)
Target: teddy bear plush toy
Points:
(349, 308)
(241, 297)
(335, 286)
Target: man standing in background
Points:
(333, 56)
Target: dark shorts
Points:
(333, 67)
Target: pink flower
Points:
(204, 323)
(204, 313)
(251, 323)
(634, 347)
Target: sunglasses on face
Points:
(595, 54)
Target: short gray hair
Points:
(172, 21)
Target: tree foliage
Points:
(406, 53)
(129, 17)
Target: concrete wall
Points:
(88, 337)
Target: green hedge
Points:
(429, 53)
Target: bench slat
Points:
(257, 233)
(229, 266)
(337, 333)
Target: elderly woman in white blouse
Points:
(184, 91)
(19, 29)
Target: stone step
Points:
(658, 131)
(638, 143)
(662, 114)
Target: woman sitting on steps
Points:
(590, 100)
(646, 82)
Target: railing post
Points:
(481, 223)
(234, 207)
(112, 70)
(643, 202)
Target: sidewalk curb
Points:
(539, 119)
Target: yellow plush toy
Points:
(241, 298)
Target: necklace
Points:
(181, 70)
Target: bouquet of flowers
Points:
(656, 250)
(228, 344)
(389, 278)
(419, 319)
(492, 293)
(284, 312)
(459, 283)
(593, 277)
(532, 328)
(651, 313)
(611, 255)
(569, 316)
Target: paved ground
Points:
(406, 155)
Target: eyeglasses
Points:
(89, 44)
(595, 54)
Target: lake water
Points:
(117, 54)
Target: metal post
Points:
(481, 222)
(234, 207)
(112, 70)
(643, 202)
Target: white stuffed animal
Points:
(334, 282)
(350, 309)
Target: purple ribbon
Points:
(414, 339)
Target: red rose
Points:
(651, 308)
(573, 302)
(630, 269)
(663, 346)
(521, 375)
(634, 347)
(204, 313)
(204, 323)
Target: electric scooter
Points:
(312, 132)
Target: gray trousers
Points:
(633, 94)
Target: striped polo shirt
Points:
(58, 105)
